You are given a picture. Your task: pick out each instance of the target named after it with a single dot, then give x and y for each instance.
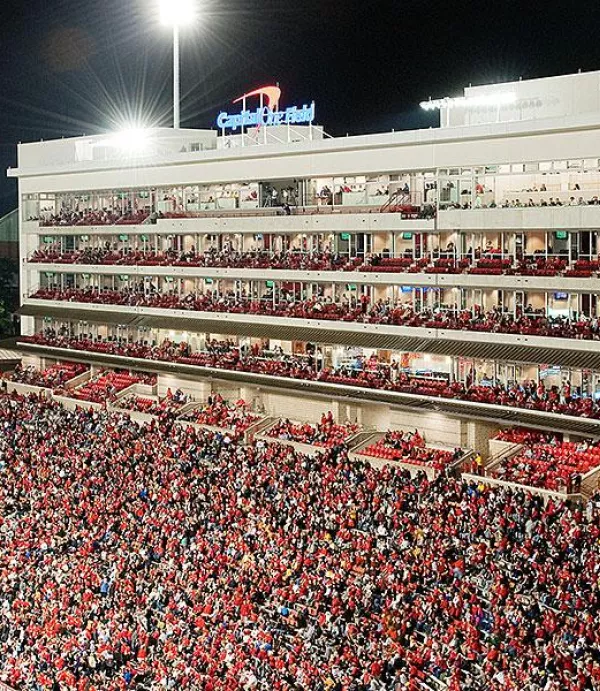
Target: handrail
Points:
(505, 454)
(399, 197)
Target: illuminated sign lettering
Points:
(483, 101)
(267, 114)
(266, 117)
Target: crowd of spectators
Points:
(549, 464)
(92, 217)
(349, 309)
(486, 262)
(53, 377)
(572, 198)
(481, 261)
(160, 557)
(216, 355)
(326, 434)
(410, 447)
(294, 259)
(528, 394)
(524, 435)
(218, 412)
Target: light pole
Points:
(176, 79)
(176, 13)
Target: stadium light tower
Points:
(176, 13)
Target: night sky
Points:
(73, 67)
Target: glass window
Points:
(30, 208)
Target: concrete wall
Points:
(557, 96)
(433, 426)
(478, 435)
(299, 408)
(198, 389)
(26, 389)
(72, 403)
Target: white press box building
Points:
(444, 258)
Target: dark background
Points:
(73, 67)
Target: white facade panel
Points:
(521, 219)
(374, 158)
(534, 99)
(525, 283)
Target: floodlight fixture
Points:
(177, 12)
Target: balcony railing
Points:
(493, 263)
(407, 210)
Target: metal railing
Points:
(297, 209)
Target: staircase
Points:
(507, 454)
(589, 484)
(361, 440)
